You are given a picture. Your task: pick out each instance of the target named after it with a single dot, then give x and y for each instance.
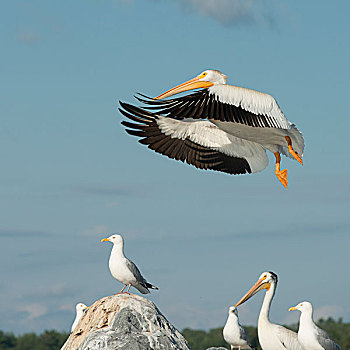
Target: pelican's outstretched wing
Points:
(225, 103)
(197, 142)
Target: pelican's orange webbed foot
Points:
(292, 152)
(282, 175)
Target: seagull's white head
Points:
(204, 80)
(80, 308)
(233, 311)
(265, 281)
(115, 239)
(304, 306)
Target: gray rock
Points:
(125, 322)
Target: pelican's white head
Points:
(213, 76)
(204, 80)
(304, 306)
(115, 239)
(268, 278)
(265, 281)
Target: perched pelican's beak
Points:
(191, 84)
(104, 240)
(293, 308)
(259, 285)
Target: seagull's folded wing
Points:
(326, 341)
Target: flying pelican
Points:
(123, 269)
(271, 336)
(234, 333)
(310, 336)
(80, 309)
(222, 127)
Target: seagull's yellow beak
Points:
(191, 84)
(104, 240)
(259, 285)
(86, 308)
(292, 308)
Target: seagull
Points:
(123, 269)
(80, 309)
(234, 333)
(271, 336)
(310, 336)
(221, 127)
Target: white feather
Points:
(205, 133)
(251, 101)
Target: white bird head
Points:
(265, 281)
(213, 76)
(80, 308)
(302, 307)
(233, 311)
(115, 239)
(204, 80)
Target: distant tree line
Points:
(48, 340)
(197, 339)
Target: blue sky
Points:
(70, 175)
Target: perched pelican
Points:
(234, 333)
(222, 127)
(271, 336)
(310, 336)
(80, 309)
(123, 269)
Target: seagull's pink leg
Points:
(127, 292)
(121, 292)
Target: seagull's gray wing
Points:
(244, 336)
(325, 340)
(142, 285)
(136, 272)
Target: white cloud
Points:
(67, 307)
(112, 204)
(224, 11)
(229, 12)
(97, 230)
(34, 310)
(28, 36)
(334, 311)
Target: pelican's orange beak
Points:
(259, 285)
(191, 84)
